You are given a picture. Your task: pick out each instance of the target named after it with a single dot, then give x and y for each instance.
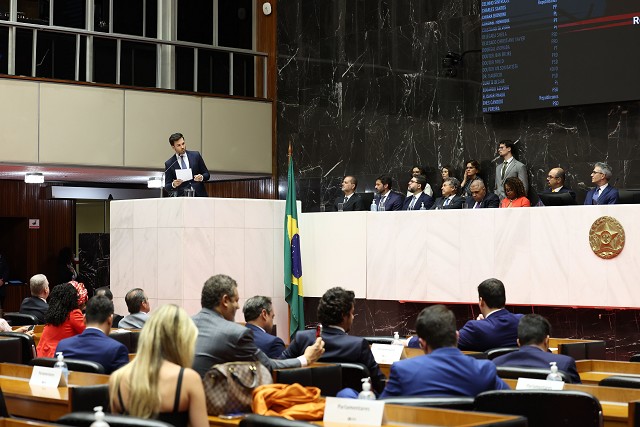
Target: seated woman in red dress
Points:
(516, 196)
(64, 317)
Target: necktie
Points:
(344, 202)
(504, 168)
(477, 205)
(182, 164)
(384, 199)
(446, 202)
(413, 203)
(596, 195)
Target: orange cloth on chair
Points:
(291, 401)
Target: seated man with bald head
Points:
(555, 180)
(350, 200)
(480, 197)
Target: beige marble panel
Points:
(19, 121)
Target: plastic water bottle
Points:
(99, 422)
(366, 392)
(554, 375)
(374, 208)
(60, 364)
(422, 208)
(396, 339)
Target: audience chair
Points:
(134, 336)
(254, 420)
(352, 374)
(544, 408)
(626, 381)
(501, 351)
(73, 364)
(515, 372)
(634, 414)
(477, 355)
(463, 403)
(379, 340)
(124, 338)
(635, 358)
(19, 319)
(596, 350)
(327, 378)
(10, 350)
(4, 413)
(85, 398)
(85, 419)
(28, 346)
(577, 350)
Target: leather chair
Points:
(124, 338)
(85, 419)
(577, 350)
(596, 350)
(625, 381)
(515, 372)
(85, 398)
(254, 420)
(463, 403)
(134, 336)
(4, 413)
(379, 340)
(635, 358)
(477, 355)
(10, 350)
(327, 378)
(28, 346)
(73, 364)
(544, 408)
(19, 319)
(352, 374)
(500, 351)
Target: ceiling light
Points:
(34, 177)
(155, 182)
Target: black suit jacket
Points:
(490, 201)
(456, 203)
(562, 190)
(34, 305)
(393, 201)
(355, 203)
(425, 199)
(196, 163)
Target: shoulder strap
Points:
(176, 404)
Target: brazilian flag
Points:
(292, 260)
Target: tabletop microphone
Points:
(173, 193)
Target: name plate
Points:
(46, 377)
(386, 353)
(531, 384)
(346, 412)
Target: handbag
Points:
(228, 387)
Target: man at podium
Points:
(185, 171)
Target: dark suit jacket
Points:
(339, 347)
(456, 203)
(444, 372)
(222, 341)
(490, 201)
(500, 329)
(271, 345)
(196, 163)
(609, 196)
(355, 203)
(424, 198)
(34, 305)
(95, 346)
(392, 203)
(533, 357)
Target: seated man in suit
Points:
(36, 304)
(533, 338)
(259, 315)
(351, 201)
(443, 370)
(555, 182)
(138, 306)
(418, 198)
(419, 170)
(386, 199)
(480, 198)
(107, 293)
(221, 340)
(335, 312)
(495, 326)
(450, 198)
(603, 193)
(94, 343)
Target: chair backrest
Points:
(124, 338)
(254, 420)
(20, 319)
(28, 346)
(544, 408)
(464, 403)
(577, 350)
(72, 364)
(134, 336)
(515, 372)
(596, 350)
(352, 374)
(4, 413)
(327, 378)
(10, 350)
(477, 355)
(85, 419)
(635, 358)
(501, 351)
(379, 340)
(626, 381)
(85, 398)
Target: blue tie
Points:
(596, 195)
(182, 164)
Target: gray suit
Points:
(515, 168)
(222, 341)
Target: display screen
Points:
(552, 53)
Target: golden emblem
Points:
(606, 237)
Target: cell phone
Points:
(232, 416)
(31, 327)
(319, 330)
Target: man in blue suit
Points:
(418, 198)
(259, 315)
(480, 198)
(335, 312)
(184, 159)
(94, 344)
(603, 193)
(533, 339)
(386, 199)
(495, 326)
(450, 198)
(443, 370)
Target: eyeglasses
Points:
(552, 177)
(595, 172)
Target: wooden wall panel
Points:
(248, 189)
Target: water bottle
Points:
(396, 339)
(99, 422)
(60, 364)
(422, 208)
(554, 375)
(366, 392)
(374, 208)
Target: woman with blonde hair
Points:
(159, 382)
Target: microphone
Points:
(174, 192)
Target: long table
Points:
(592, 371)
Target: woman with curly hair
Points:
(159, 382)
(516, 195)
(64, 318)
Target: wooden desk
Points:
(592, 371)
(13, 422)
